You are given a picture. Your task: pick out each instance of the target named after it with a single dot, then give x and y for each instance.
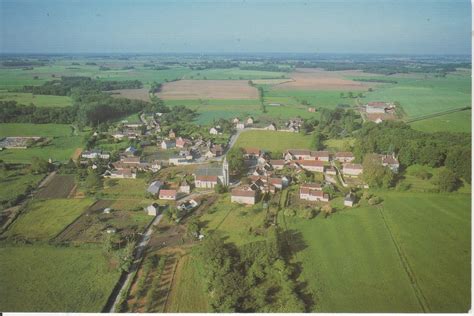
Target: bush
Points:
(306, 213)
(375, 200)
(289, 212)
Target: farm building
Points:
(278, 164)
(391, 162)
(251, 153)
(313, 192)
(130, 160)
(236, 120)
(131, 150)
(168, 195)
(121, 174)
(168, 144)
(18, 142)
(271, 127)
(240, 126)
(214, 130)
(171, 134)
(349, 200)
(351, 169)
(178, 161)
(183, 142)
(250, 121)
(378, 107)
(184, 187)
(94, 154)
(243, 195)
(152, 209)
(154, 188)
(208, 177)
(312, 165)
(344, 156)
(330, 170)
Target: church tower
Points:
(225, 172)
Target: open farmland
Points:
(59, 187)
(273, 140)
(187, 294)
(44, 219)
(43, 278)
(91, 226)
(207, 89)
(134, 94)
(234, 221)
(233, 74)
(15, 182)
(38, 100)
(453, 122)
(317, 79)
(359, 249)
(61, 147)
(426, 95)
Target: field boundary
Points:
(406, 266)
(432, 115)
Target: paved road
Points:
(139, 250)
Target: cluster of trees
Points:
(263, 67)
(254, 278)
(155, 87)
(67, 84)
(387, 67)
(22, 63)
(12, 112)
(236, 161)
(335, 123)
(375, 174)
(452, 150)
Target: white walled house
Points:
(344, 156)
(243, 195)
(352, 169)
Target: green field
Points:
(189, 295)
(62, 146)
(233, 74)
(38, 100)
(233, 220)
(351, 263)
(210, 110)
(273, 140)
(43, 278)
(420, 97)
(14, 182)
(45, 219)
(453, 122)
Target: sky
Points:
(228, 26)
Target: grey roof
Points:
(154, 187)
(209, 171)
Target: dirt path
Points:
(139, 251)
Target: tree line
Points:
(256, 277)
(441, 149)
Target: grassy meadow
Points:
(273, 140)
(61, 148)
(422, 96)
(44, 219)
(38, 100)
(42, 278)
(15, 181)
(453, 122)
(355, 249)
(233, 221)
(188, 294)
